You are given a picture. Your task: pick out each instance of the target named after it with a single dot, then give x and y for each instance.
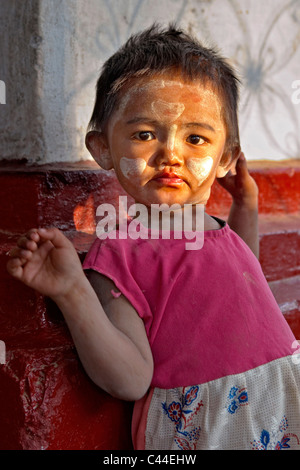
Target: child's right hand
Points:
(45, 260)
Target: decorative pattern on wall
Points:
(261, 39)
(265, 95)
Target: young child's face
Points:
(166, 140)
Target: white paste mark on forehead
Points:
(200, 167)
(132, 167)
(167, 83)
(164, 109)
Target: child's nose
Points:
(169, 153)
(168, 157)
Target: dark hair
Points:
(155, 51)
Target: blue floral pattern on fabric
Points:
(269, 440)
(187, 431)
(237, 397)
(182, 414)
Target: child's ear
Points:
(228, 161)
(96, 143)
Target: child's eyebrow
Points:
(147, 120)
(141, 119)
(204, 125)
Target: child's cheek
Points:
(132, 167)
(200, 168)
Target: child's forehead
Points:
(166, 87)
(163, 82)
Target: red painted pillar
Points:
(46, 399)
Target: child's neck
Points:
(193, 221)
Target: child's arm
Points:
(111, 344)
(243, 217)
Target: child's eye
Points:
(144, 135)
(195, 139)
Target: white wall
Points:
(57, 62)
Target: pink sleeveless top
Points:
(208, 313)
(225, 374)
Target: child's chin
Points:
(171, 198)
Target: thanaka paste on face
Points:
(159, 107)
(132, 167)
(164, 109)
(172, 136)
(180, 92)
(200, 167)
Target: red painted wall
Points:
(46, 399)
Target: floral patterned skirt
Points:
(258, 409)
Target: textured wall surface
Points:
(50, 67)
(51, 53)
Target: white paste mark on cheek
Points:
(172, 110)
(171, 137)
(200, 167)
(132, 167)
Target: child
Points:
(194, 337)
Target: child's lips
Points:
(168, 179)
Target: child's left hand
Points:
(243, 217)
(241, 185)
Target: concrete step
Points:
(278, 184)
(287, 294)
(279, 245)
(62, 194)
